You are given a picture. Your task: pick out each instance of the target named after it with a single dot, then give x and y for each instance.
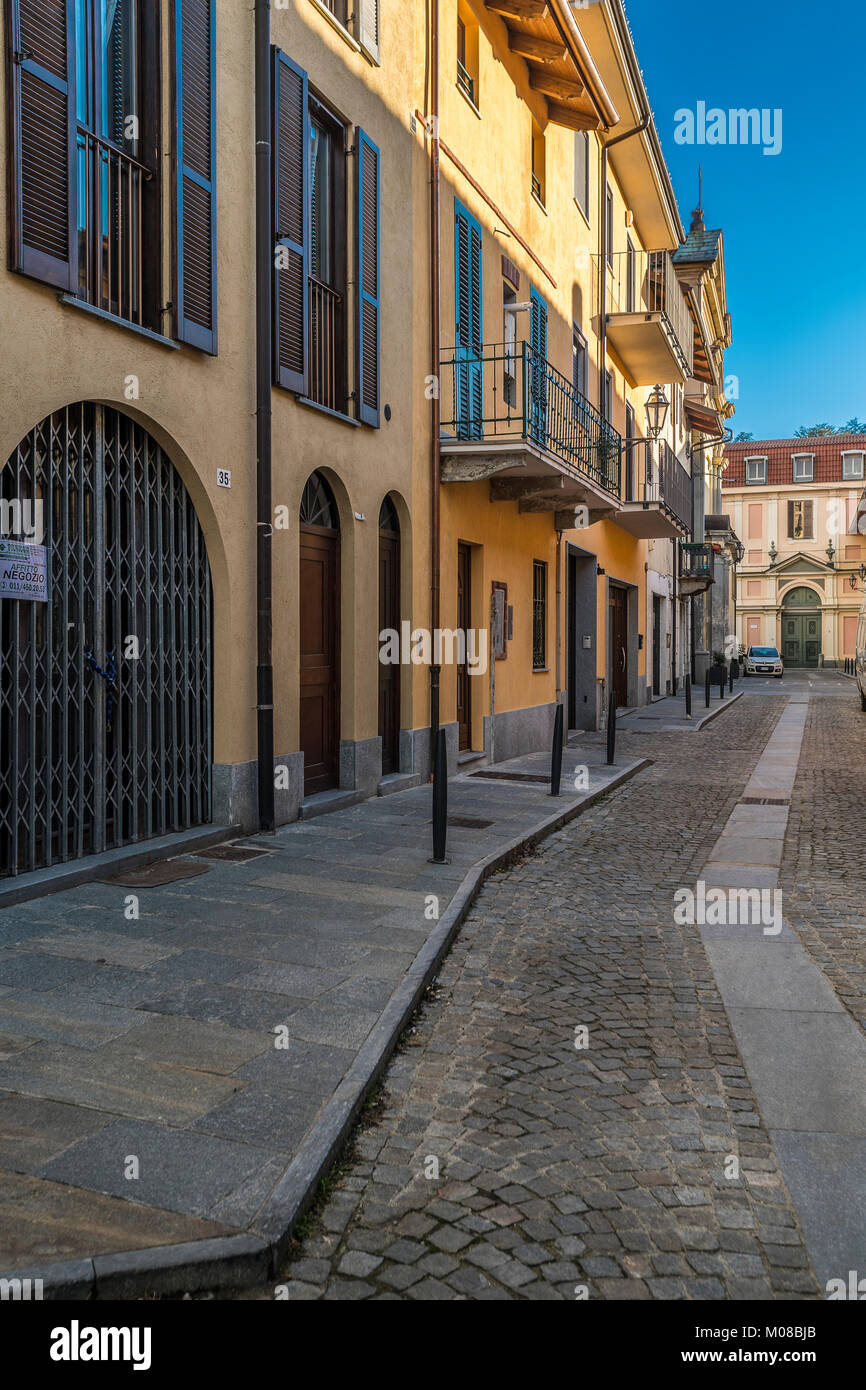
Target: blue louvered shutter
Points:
(469, 327)
(42, 140)
(291, 214)
(538, 375)
(367, 298)
(195, 292)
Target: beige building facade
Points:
(796, 505)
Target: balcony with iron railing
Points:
(648, 321)
(696, 567)
(657, 491)
(110, 231)
(507, 414)
(327, 346)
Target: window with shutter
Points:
(538, 374)
(469, 354)
(291, 210)
(195, 293)
(367, 298)
(368, 26)
(42, 141)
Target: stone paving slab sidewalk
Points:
(668, 715)
(150, 1125)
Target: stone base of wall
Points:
(520, 731)
(235, 792)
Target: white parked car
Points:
(764, 661)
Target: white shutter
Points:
(368, 26)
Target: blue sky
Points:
(794, 223)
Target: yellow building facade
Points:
(327, 422)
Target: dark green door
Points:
(801, 639)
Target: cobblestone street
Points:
(501, 1160)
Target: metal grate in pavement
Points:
(765, 801)
(513, 776)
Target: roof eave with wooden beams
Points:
(561, 69)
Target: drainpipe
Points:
(436, 354)
(559, 617)
(264, 576)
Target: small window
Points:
(852, 465)
(467, 54)
(630, 277)
(339, 9)
(581, 171)
(539, 615)
(578, 361)
(756, 470)
(804, 468)
(607, 399)
(608, 225)
(538, 162)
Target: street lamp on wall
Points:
(656, 409)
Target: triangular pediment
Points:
(801, 564)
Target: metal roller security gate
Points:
(105, 689)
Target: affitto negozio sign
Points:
(23, 571)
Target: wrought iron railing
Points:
(639, 281)
(326, 337)
(653, 473)
(696, 560)
(509, 391)
(465, 81)
(111, 185)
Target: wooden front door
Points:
(801, 639)
(619, 644)
(389, 674)
(657, 646)
(320, 677)
(464, 622)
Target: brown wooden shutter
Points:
(808, 518)
(291, 213)
(367, 296)
(790, 521)
(42, 140)
(195, 289)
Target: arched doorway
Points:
(105, 688)
(389, 619)
(801, 627)
(320, 636)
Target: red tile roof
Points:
(827, 449)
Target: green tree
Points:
(813, 431)
(743, 437)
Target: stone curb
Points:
(232, 1261)
(720, 709)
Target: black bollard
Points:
(688, 697)
(556, 758)
(731, 680)
(723, 680)
(611, 731)
(707, 686)
(440, 801)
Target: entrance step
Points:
(335, 799)
(99, 866)
(399, 782)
